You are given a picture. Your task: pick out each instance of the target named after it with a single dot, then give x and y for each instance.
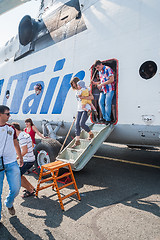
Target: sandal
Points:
(77, 142)
(28, 194)
(88, 113)
(91, 135)
(96, 113)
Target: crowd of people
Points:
(102, 95)
(18, 145)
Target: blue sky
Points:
(10, 20)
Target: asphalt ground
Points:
(120, 192)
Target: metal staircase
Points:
(79, 156)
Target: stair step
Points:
(70, 153)
(54, 168)
(46, 186)
(84, 144)
(98, 127)
(81, 154)
(63, 175)
(84, 135)
(66, 185)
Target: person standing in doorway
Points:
(96, 93)
(8, 160)
(108, 87)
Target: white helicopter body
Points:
(70, 36)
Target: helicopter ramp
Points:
(79, 156)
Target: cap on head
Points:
(81, 83)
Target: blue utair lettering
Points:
(48, 97)
(51, 87)
(62, 94)
(31, 103)
(1, 85)
(59, 65)
(80, 75)
(22, 80)
(33, 97)
(63, 91)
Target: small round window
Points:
(7, 94)
(148, 69)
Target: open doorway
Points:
(113, 63)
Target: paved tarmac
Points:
(120, 200)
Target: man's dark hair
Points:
(3, 108)
(16, 126)
(97, 62)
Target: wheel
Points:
(46, 152)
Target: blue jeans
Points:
(81, 122)
(13, 175)
(105, 103)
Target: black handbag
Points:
(1, 164)
(1, 158)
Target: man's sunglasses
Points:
(8, 114)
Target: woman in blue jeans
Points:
(82, 115)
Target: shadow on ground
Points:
(104, 183)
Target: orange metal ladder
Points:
(53, 169)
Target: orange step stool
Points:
(53, 169)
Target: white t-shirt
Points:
(7, 149)
(79, 109)
(25, 139)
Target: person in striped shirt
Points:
(25, 143)
(107, 86)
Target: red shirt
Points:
(32, 134)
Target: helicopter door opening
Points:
(113, 63)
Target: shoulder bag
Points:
(1, 158)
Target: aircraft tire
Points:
(45, 152)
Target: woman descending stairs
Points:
(79, 156)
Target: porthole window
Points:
(7, 94)
(148, 69)
(38, 88)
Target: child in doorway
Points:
(83, 91)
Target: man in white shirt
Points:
(8, 148)
(25, 143)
